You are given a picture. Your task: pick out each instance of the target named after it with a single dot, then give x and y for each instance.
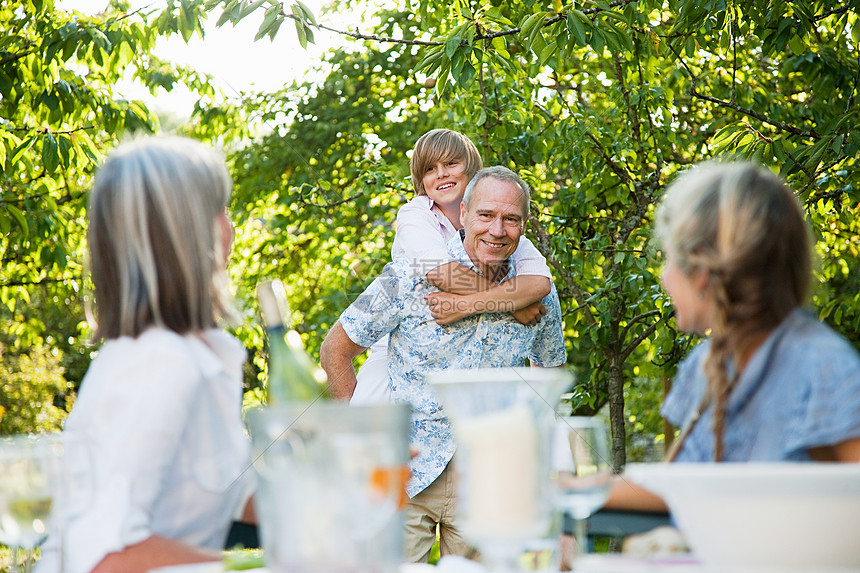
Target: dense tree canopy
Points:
(597, 104)
(59, 113)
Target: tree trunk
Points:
(615, 388)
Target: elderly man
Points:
(494, 212)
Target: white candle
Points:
(500, 469)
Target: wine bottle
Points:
(292, 376)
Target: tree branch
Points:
(644, 334)
(745, 111)
(14, 57)
(636, 319)
(46, 130)
(839, 10)
(489, 35)
(374, 37)
(304, 201)
(623, 175)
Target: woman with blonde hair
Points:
(161, 402)
(771, 383)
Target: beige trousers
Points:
(432, 507)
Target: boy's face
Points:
(445, 182)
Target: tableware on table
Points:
(782, 516)
(502, 419)
(331, 483)
(581, 469)
(29, 471)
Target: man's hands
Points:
(447, 308)
(532, 314)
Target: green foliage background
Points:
(597, 104)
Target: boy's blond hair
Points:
(441, 145)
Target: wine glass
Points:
(73, 492)
(581, 469)
(29, 466)
(502, 419)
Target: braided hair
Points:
(745, 229)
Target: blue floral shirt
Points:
(394, 304)
(800, 390)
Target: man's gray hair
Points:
(500, 173)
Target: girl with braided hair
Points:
(771, 383)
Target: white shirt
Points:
(169, 452)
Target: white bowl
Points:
(769, 515)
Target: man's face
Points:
(493, 222)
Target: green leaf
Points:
(496, 15)
(65, 148)
(227, 15)
(837, 144)
(547, 52)
(531, 23)
(597, 41)
(250, 8)
(816, 153)
(273, 14)
(616, 16)
(500, 47)
(608, 33)
(576, 27)
(778, 151)
(451, 45)
(432, 60)
(309, 15)
(466, 76)
(273, 30)
(796, 45)
(535, 30)
(100, 39)
(690, 47)
(725, 41)
(758, 150)
(442, 78)
(19, 218)
(22, 149)
(300, 32)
